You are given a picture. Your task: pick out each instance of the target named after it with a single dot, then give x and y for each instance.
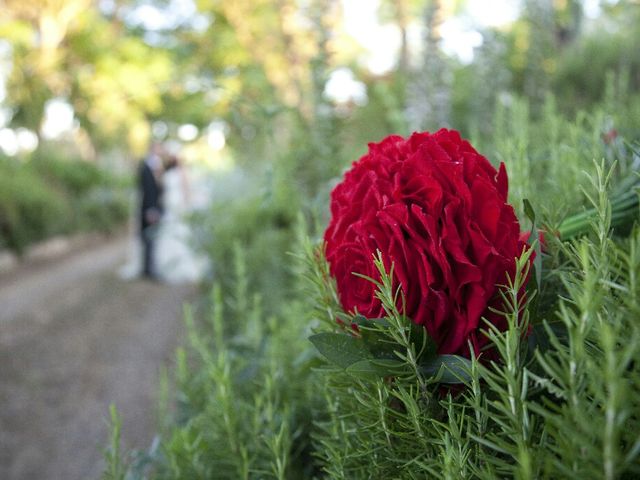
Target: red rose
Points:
(438, 211)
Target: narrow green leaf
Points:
(421, 338)
(533, 237)
(528, 210)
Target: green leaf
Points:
(528, 210)
(345, 318)
(377, 323)
(340, 349)
(377, 368)
(447, 368)
(380, 343)
(533, 236)
(420, 338)
(374, 333)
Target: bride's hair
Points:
(172, 162)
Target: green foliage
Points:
(30, 209)
(546, 154)
(243, 390)
(49, 195)
(260, 223)
(114, 80)
(73, 175)
(113, 457)
(591, 379)
(387, 347)
(602, 52)
(558, 399)
(564, 408)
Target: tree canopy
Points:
(259, 65)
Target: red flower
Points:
(438, 211)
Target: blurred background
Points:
(86, 85)
(266, 102)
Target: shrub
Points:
(29, 209)
(244, 398)
(41, 197)
(261, 223)
(563, 404)
(69, 174)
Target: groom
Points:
(151, 207)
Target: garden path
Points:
(74, 338)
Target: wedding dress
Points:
(176, 261)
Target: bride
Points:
(176, 261)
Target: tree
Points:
(428, 103)
(36, 30)
(69, 49)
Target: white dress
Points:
(176, 261)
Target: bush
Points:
(563, 404)
(579, 80)
(41, 197)
(102, 209)
(29, 209)
(244, 399)
(71, 175)
(261, 223)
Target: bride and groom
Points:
(166, 254)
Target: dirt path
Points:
(74, 338)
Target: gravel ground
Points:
(74, 338)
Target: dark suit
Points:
(151, 193)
